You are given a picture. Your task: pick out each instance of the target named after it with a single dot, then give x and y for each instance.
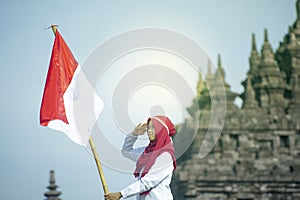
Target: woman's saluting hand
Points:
(140, 129)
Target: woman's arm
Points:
(127, 149)
(160, 170)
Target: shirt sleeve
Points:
(160, 170)
(127, 149)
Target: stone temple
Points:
(257, 155)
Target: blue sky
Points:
(28, 151)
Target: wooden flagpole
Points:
(96, 157)
(99, 166)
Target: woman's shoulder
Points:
(165, 155)
(164, 160)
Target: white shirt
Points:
(157, 179)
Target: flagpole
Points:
(96, 157)
(99, 166)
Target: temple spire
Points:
(267, 52)
(249, 101)
(219, 61)
(52, 194)
(254, 58)
(253, 43)
(200, 84)
(292, 42)
(297, 22)
(266, 39)
(209, 67)
(221, 85)
(209, 75)
(220, 68)
(298, 9)
(293, 39)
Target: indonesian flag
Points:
(69, 102)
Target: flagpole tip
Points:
(54, 25)
(54, 28)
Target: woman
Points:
(154, 163)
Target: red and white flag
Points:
(69, 102)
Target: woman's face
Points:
(151, 131)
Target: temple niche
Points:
(258, 153)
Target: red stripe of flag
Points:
(60, 73)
